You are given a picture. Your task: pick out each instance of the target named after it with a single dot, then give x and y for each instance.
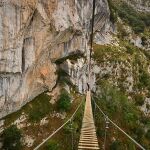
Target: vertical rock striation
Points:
(33, 35)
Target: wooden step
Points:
(87, 147)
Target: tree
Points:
(116, 145)
(144, 78)
(148, 135)
(64, 101)
(11, 138)
(52, 145)
(144, 39)
(139, 99)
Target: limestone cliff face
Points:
(33, 35)
(140, 5)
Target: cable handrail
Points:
(36, 148)
(133, 140)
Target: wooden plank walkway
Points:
(88, 138)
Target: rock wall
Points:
(33, 35)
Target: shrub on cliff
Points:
(114, 101)
(138, 21)
(148, 135)
(11, 138)
(130, 16)
(116, 145)
(113, 13)
(144, 79)
(52, 145)
(39, 107)
(64, 101)
(139, 99)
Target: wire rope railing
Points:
(108, 120)
(57, 130)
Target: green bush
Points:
(11, 138)
(71, 128)
(121, 31)
(52, 145)
(136, 20)
(130, 145)
(139, 100)
(130, 49)
(145, 18)
(130, 119)
(36, 109)
(144, 78)
(39, 108)
(148, 134)
(100, 132)
(139, 133)
(145, 120)
(147, 54)
(144, 39)
(113, 13)
(115, 102)
(147, 106)
(101, 52)
(116, 145)
(64, 101)
(79, 116)
(139, 28)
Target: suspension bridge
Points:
(88, 138)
